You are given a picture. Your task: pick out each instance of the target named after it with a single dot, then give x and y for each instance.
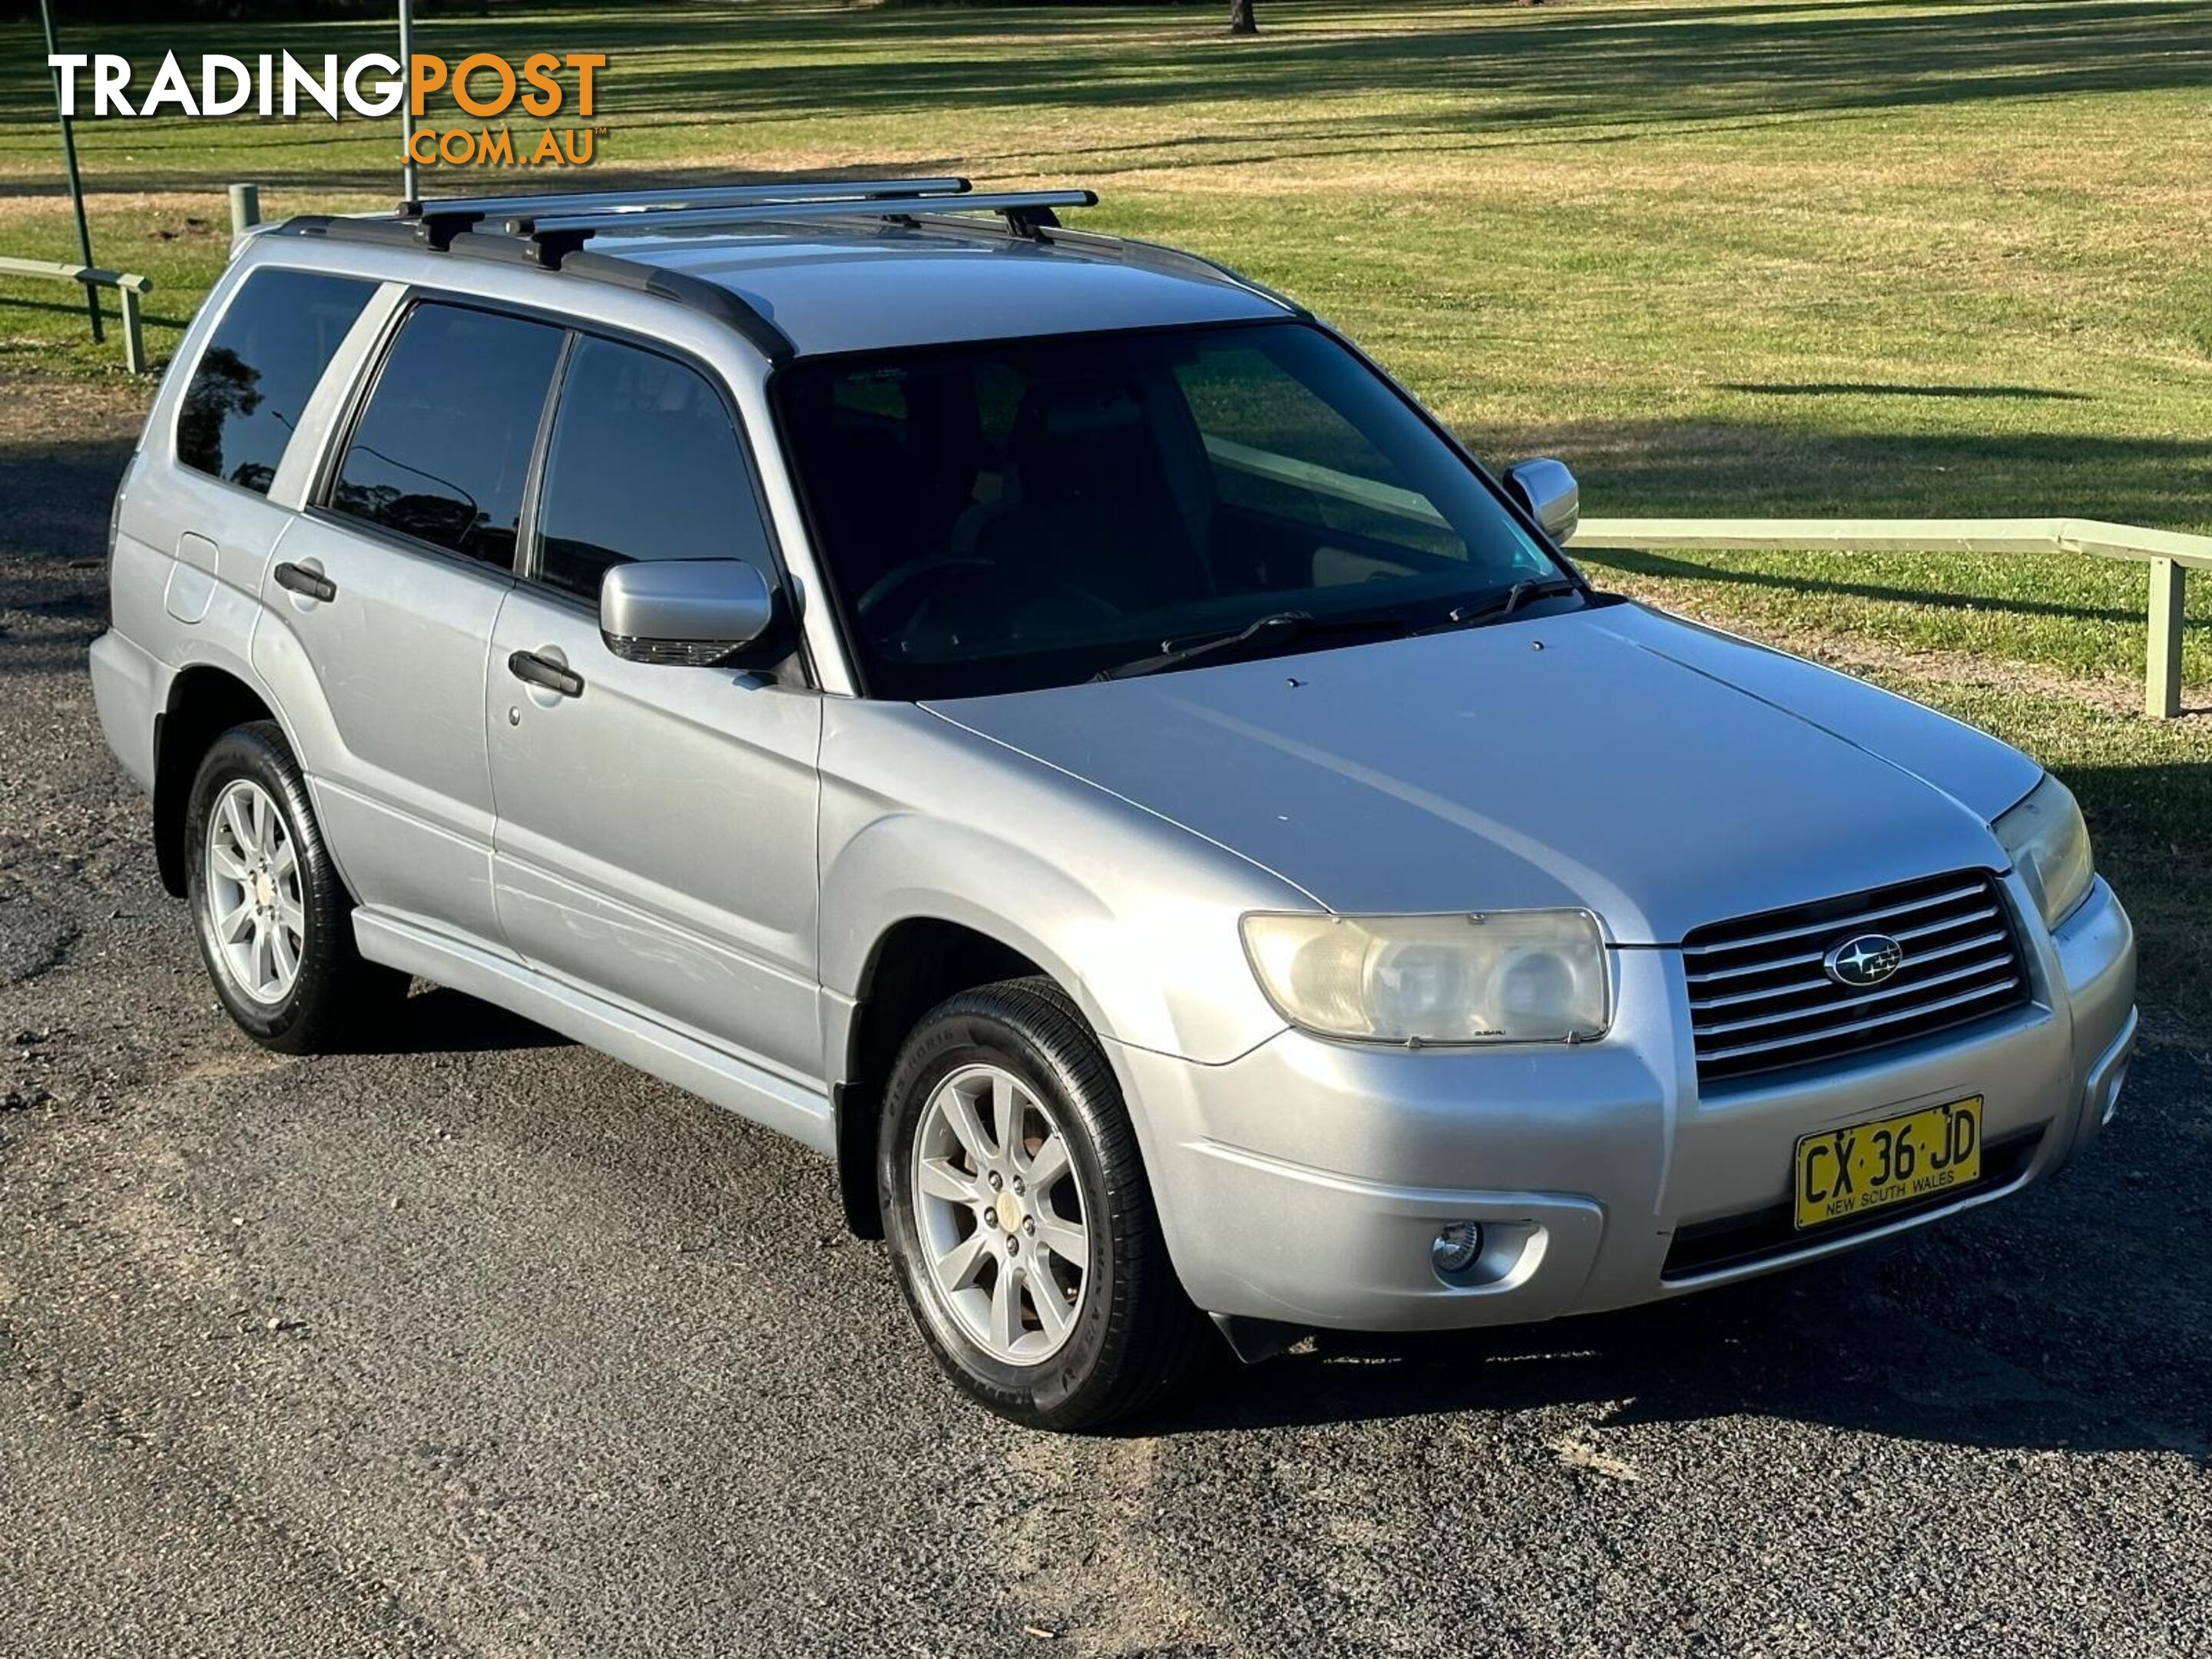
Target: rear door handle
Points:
(309, 583)
(533, 669)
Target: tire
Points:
(251, 841)
(1126, 1336)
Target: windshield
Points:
(1013, 514)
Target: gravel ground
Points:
(488, 1345)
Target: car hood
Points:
(1661, 773)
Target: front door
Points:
(655, 836)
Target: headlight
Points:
(1507, 976)
(2049, 847)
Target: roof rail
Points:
(1157, 256)
(554, 235)
(442, 217)
(765, 337)
(771, 342)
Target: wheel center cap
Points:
(265, 891)
(1010, 1210)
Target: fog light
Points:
(1457, 1248)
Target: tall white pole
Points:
(408, 184)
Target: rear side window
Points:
(260, 366)
(442, 450)
(645, 464)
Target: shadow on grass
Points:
(108, 308)
(1848, 467)
(1872, 389)
(2146, 821)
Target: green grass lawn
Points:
(1910, 257)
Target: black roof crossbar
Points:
(555, 235)
(441, 219)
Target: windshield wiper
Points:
(1498, 606)
(1276, 631)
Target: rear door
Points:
(388, 587)
(655, 837)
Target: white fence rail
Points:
(2169, 554)
(129, 287)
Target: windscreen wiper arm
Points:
(1273, 632)
(1499, 606)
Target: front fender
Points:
(1136, 918)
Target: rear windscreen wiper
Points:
(1274, 632)
(1499, 606)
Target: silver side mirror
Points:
(1550, 493)
(693, 612)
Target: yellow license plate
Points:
(1892, 1160)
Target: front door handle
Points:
(533, 669)
(309, 583)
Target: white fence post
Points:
(245, 207)
(2162, 671)
(134, 334)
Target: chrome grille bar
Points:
(1980, 941)
(1889, 993)
(1754, 1007)
(1859, 1025)
(1864, 918)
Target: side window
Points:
(260, 366)
(644, 464)
(442, 450)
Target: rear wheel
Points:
(1019, 1217)
(274, 920)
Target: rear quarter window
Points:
(259, 368)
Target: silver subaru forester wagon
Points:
(1049, 723)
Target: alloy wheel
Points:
(255, 907)
(1005, 1237)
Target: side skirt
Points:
(688, 1061)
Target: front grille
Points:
(1760, 1000)
(1739, 1241)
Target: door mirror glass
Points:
(685, 612)
(1550, 493)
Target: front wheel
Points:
(1020, 1222)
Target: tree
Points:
(1240, 18)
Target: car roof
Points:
(861, 286)
(810, 268)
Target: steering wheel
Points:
(936, 565)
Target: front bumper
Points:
(1305, 1182)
